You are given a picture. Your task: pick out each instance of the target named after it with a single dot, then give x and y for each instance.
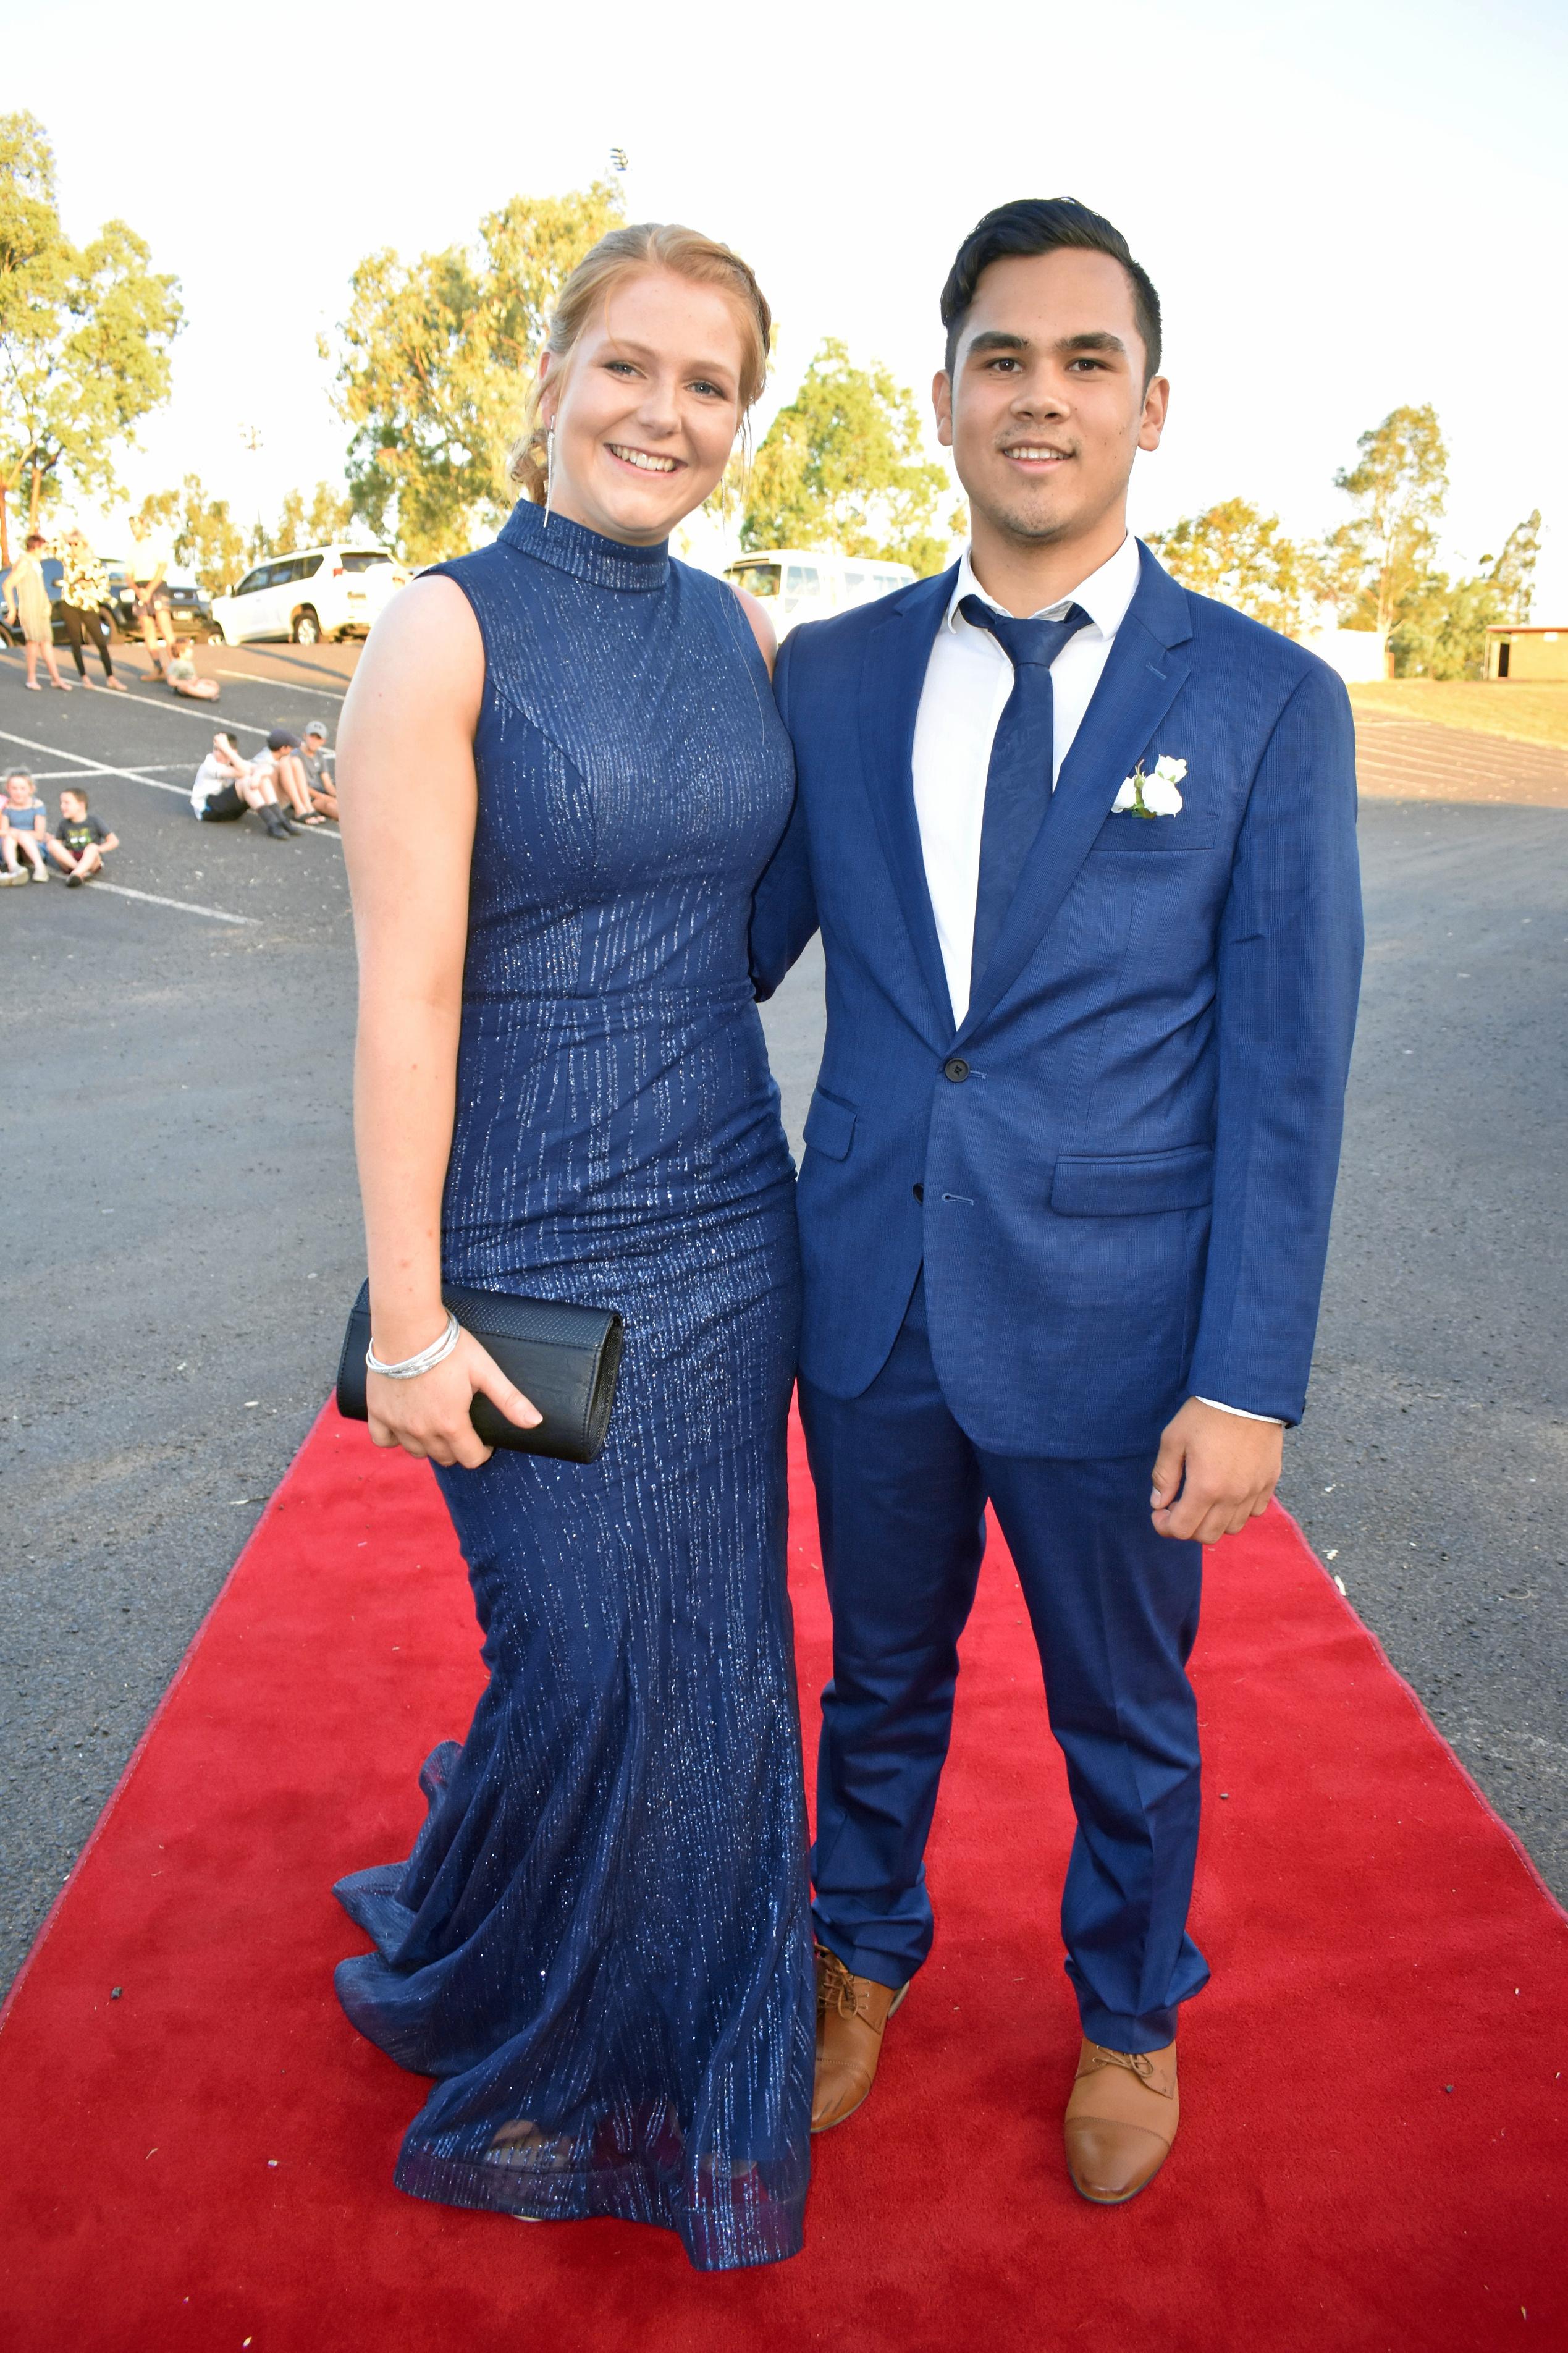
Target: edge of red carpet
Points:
(187, 1656)
(1423, 1713)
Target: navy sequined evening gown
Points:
(600, 1944)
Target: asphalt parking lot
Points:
(185, 1240)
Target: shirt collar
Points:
(1104, 596)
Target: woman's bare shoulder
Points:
(762, 627)
(425, 645)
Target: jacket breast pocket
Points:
(1133, 1184)
(829, 1126)
(1137, 837)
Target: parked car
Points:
(806, 583)
(190, 607)
(325, 592)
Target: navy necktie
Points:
(1018, 781)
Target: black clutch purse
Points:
(563, 1358)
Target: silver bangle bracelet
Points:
(412, 1366)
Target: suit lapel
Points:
(1139, 681)
(891, 678)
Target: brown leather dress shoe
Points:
(1121, 2119)
(851, 2013)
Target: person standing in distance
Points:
(26, 601)
(1082, 850)
(152, 553)
(84, 607)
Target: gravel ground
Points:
(177, 1143)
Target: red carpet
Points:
(1375, 2142)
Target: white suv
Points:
(326, 592)
(806, 583)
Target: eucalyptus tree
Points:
(844, 465)
(85, 333)
(434, 360)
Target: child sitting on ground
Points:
(79, 844)
(282, 761)
(321, 777)
(23, 829)
(226, 786)
(186, 678)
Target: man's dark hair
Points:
(77, 793)
(1034, 225)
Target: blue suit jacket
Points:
(1126, 1150)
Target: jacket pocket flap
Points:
(1194, 829)
(1132, 1185)
(829, 1126)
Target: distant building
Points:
(1518, 652)
(1358, 655)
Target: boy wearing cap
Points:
(288, 773)
(321, 779)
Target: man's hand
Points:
(1214, 1472)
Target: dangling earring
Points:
(549, 470)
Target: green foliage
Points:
(84, 333)
(434, 362)
(1379, 570)
(1442, 631)
(325, 517)
(1377, 566)
(843, 465)
(208, 541)
(1236, 552)
(1513, 573)
(212, 544)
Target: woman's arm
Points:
(760, 623)
(408, 801)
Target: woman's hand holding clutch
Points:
(427, 1415)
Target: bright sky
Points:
(1345, 206)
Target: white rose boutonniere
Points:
(1155, 796)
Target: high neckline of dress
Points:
(586, 554)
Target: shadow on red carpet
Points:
(198, 2151)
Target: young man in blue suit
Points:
(1081, 847)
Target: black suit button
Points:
(955, 1070)
(919, 1192)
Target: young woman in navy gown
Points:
(560, 773)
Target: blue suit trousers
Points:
(902, 1492)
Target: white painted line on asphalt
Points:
(64, 776)
(203, 710)
(214, 914)
(93, 767)
(54, 775)
(259, 678)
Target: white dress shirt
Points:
(967, 682)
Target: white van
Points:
(323, 592)
(806, 583)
